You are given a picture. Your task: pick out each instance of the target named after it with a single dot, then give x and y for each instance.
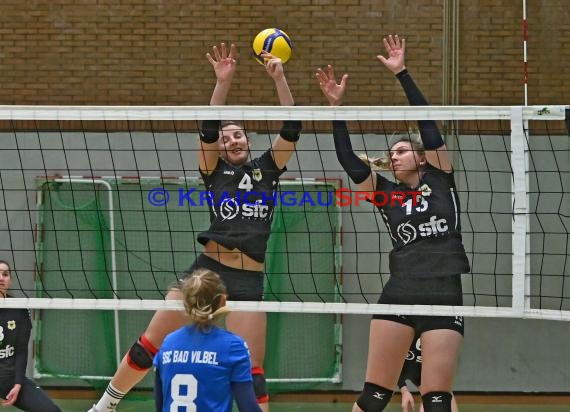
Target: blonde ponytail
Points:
(376, 163)
(383, 162)
(204, 296)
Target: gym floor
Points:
(142, 402)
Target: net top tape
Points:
(317, 113)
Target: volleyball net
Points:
(101, 206)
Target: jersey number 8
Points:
(183, 400)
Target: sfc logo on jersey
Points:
(11, 324)
(257, 176)
(229, 208)
(406, 232)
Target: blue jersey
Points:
(197, 368)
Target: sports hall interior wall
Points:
(140, 52)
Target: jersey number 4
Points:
(245, 183)
(184, 390)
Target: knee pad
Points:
(373, 398)
(437, 402)
(141, 354)
(259, 384)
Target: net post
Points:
(520, 186)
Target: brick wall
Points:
(151, 52)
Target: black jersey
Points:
(241, 201)
(15, 329)
(412, 369)
(425, 229)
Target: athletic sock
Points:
(109, 400)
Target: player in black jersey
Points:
(15, 329)
(412, 372)
(241, 209)
(428, 255)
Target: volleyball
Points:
(274, 41)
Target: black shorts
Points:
(400, 290)
(241, 284)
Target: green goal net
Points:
(128, 238)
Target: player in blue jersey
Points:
(201, 366)
(412, 372)
(15, 328)
(428, 255)
(241, 213)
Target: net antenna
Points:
(525, 57)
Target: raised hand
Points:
(224, 63)
(273, 65)
(396, 50)
(333, 91)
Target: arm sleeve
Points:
(401, 381)
(431, 137)
(412, 371)
(291, 130)
(210, 131)
(245, 397)
(158, 392)
(357, 170)
(21, 349)
(404, 374)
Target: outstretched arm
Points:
(436, 152)
(358, 171)
(224, 65)
(284, 145)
